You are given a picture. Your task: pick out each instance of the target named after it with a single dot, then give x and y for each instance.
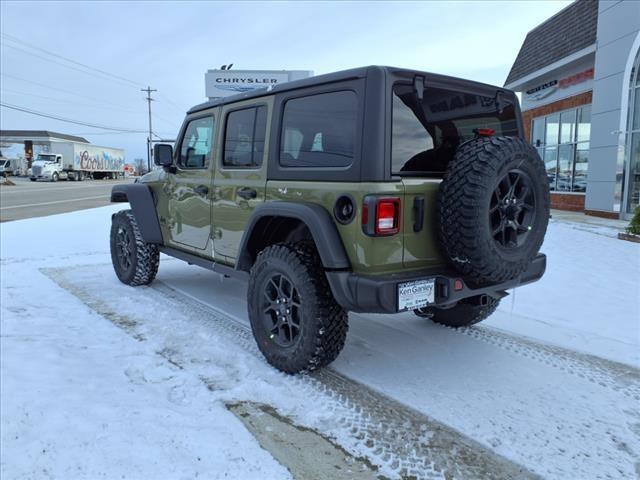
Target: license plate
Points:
(418, 294)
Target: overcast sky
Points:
(170, 46)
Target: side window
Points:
(319, 130)
(244, 137)
(197, 143)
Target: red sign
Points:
(577, 78)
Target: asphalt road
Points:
(37, 199)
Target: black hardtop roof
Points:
(350, 74)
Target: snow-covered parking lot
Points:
(101, 380)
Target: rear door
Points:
(427, 129)
(241, 173)
(189, 188)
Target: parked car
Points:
(376, 189)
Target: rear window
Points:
(319, 130)
(427, 132)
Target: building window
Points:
(562, 140)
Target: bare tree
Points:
(141, 166)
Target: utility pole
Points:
(150, 137)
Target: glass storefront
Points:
(632, 183)
(562, 140)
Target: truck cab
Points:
(47, 166)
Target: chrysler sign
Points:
(223, 83)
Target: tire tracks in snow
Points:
(618, 377)
(392, 435)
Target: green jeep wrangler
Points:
(376, 189)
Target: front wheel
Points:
(55, 177)
(134, 261)
(295, 320)
(465, 313)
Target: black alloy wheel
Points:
(123, 248)
(281, 310)
(512, 209)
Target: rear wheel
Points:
(134, 261)
(465, 313)
(295, 320)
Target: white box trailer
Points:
(78, 161)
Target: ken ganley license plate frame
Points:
(416, 294)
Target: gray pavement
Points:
(28, 199)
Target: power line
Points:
(171, 103)
(117, 78)
(64, 65)
(67, 101)
(103, 72)
(60, 90)
(68, 120)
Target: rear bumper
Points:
(379, 294)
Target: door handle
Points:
(202, 190)
(247, 193)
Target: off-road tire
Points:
(144, 257)
(464, 314)
(323, 323)
(468, 194)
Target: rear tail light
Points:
(485, 132)
(381, 215)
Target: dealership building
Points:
(578, 76)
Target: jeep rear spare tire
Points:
(493, 208)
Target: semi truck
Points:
(10, 166)
(78, 161)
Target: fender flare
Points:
(140, 197)
(318, 221)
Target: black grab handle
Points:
(418, 207)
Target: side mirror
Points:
(163, 154)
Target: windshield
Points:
(427, 132)
(2, 162)
(46, 158)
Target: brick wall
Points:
(563, 201)
(573, 202)
(564, 104)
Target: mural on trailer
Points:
(100, 160)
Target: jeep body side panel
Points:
(142, 203)
(237, 190)
(367, 255)
(319, 222)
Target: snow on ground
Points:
(588, 300)
(538, 383)
(81, 398)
